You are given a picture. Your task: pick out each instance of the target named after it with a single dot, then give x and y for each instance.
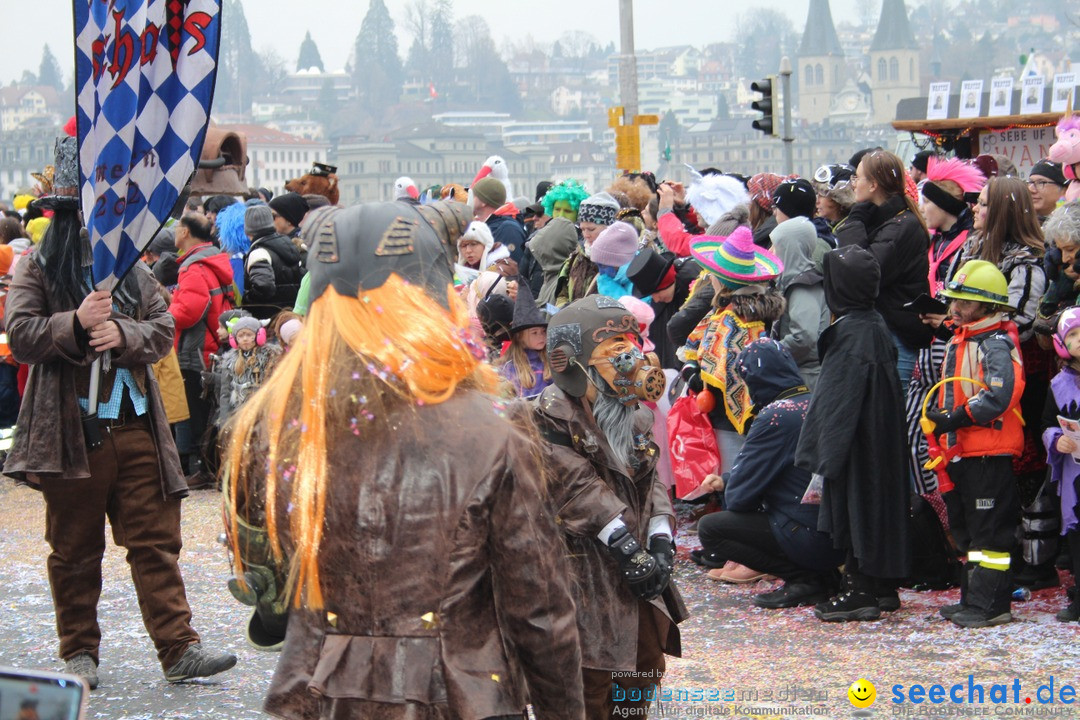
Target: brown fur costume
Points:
(311, 184)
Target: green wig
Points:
(571, 191)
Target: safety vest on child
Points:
(965, 357)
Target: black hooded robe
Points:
(854, 435)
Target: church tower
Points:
(894, 61)
(821, 68)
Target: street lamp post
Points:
(628, 90)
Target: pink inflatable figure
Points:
(1067, 151)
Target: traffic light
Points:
(766, 105)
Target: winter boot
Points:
(989, 599)
(857, 602)
(948, 611)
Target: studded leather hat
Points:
(359, 247)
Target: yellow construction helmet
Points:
(980, 281)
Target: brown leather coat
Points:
(443, 576)
(588, 489)
(41, 331)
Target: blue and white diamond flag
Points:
(144, 78)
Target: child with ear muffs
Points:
(245, 366)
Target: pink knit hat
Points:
(615, 246)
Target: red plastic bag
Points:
(692, 442)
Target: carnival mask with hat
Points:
(598, 331)
(735, 260)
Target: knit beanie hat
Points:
(795, 198)
(738, 215)
(615, 246)
(244, 323)
(1050, 170)
(291, 206)
(600, 208)
(258, 221)
(761, 187)
(490, 191)
(288, 331)
(921, 159)
(163, 242)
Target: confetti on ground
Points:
(767, 662)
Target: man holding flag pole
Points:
(86, 315)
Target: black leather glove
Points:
(950, 422)
(639, 569)
(662, 549)
(862, 212)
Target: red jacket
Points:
(673, 234)
(203, 292)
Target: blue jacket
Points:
(764, 477)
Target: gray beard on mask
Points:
(616, 420)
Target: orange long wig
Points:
(356, 357)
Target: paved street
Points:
(761, 661)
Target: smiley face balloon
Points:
(862, 693)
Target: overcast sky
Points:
(334, 24)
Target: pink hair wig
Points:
(968, 177)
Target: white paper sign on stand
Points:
(971, 98)
(1031, 95)
(1001, 96)
(1064, 88)
(937, 103)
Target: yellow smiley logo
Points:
(862, 693)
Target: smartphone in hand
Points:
(926, 305)
(41, 694)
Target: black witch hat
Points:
(526, 314)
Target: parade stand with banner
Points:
(1023, 138)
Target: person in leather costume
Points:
(386, 510)
(614, 511)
